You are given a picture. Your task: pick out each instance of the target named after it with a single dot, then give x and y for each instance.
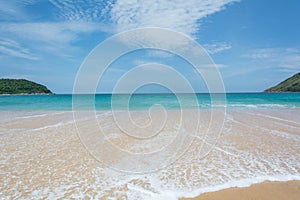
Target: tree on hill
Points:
(291, 84)
(22, 86)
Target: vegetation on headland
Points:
(291, 84)
(22, 86)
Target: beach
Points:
(43, 157)
(263, 191)
(149, 100)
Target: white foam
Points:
(52, 126)
(228, 165)
(37, 114)
(277, 118)
(241, 105)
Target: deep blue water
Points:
(145, 101)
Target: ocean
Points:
(48, 151)
(145, 101)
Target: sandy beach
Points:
(263, 191)
(43, 157)
(149, 100)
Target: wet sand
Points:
(264, 191)
(42, 157)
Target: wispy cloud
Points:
(159, 54)
(83, 10)
(53, 37)
(14, 9)
(217, 47)
(283, 59)
(262, 53)
(154, 67)
(56, 36)
(13, 48)
(18, 76)
(9, 10)
(34, 33)
(61, 32)
(179, 15)
(121, 15)
(88, 16)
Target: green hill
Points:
(22, 86)
(291, 84)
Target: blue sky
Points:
(254, 43)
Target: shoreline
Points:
(275, 190)
(146, 110)
(257, 147)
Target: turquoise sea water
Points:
(145, 101)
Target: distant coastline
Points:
(291, 84)
(22, 87)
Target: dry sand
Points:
(264, 191)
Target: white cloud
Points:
(217, 65)
(15, 9)
(121, 15)
(58, 32)
(19, 76)
(56, 37)
(8, 10)
(262, 53)
(53, 37)
(159, 54)
(217, 47)
(13, 48)
(284, 59)
(175, 15)
(88, 16)
(154, 67)
(84, 10)
(140, 62)
(178, 15)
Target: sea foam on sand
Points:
(42, 156)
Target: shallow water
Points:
(43, 157)
(145, 101)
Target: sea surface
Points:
(145, 101)
(48, 151)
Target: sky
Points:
(254, 43)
